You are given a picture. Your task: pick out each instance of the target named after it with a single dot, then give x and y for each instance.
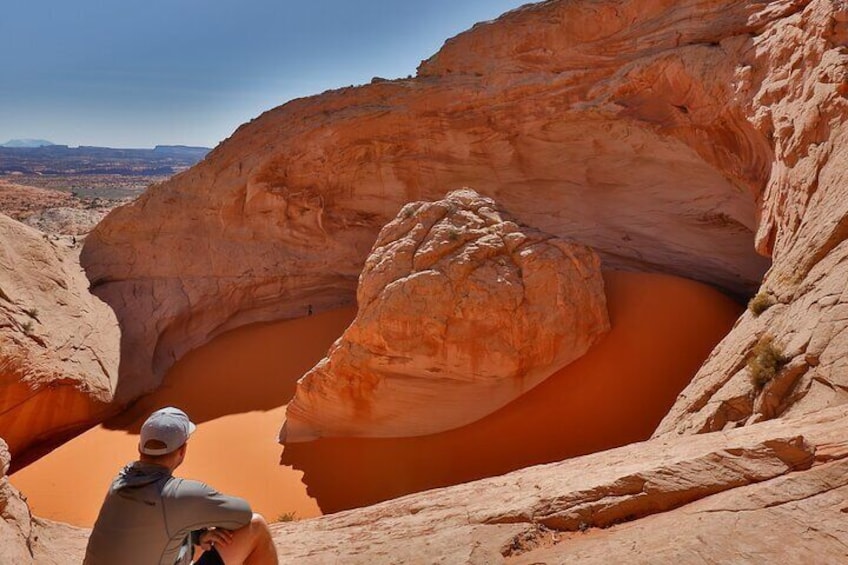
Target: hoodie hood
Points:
(138, 474)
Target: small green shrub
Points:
(32, 312)
(27, 326)
(287, 517)
(761, 302)
(453, 234)
(765, 362)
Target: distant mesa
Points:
(29, 143)
(51, 159)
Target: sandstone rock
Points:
(20, 202)
(613, 124)
(25, 540)
(662, 329)
(51, 211)
(715, 498)
(794, 90)
(58, 343)
(774, 481)
(67, 219)
(461, 310)
(15, 526)
(769, 522)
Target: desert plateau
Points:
(574, 292)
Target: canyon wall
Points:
(669, 136)
(615, 125)
(787, 354)
(58, 343)
(26, 540)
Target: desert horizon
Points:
(446, 282)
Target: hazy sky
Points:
(136, 73)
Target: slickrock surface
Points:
(795, 88)
(461, 310)
(772, 492)
(58, 343)
(25, 540)
(51, 211)
(769, 493)
(615, 124)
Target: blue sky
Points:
(133, 73)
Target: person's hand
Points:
(215, 536)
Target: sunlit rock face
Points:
(461, 310)
(58, 343)
(795, 87)
(712, 498)
(26, 540)
(618, 125)
(15, 519)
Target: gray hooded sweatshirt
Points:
(149, 515)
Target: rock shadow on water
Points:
(254, 368)
(662, 330)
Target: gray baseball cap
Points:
(168, 427)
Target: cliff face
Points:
(670, 136)
(58, 343)
(26, 540)
(617, 125)
(795, 93)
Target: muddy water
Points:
(236, 387)
(662, 330)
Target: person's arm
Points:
(194, 506)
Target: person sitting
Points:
(149, 516)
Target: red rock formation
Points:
(51, 211)
(793, 86)
(643, 128)
(461, 310)
(611, 124)
(25, 540)
(58, 344)
(663, 327)
(709, 498)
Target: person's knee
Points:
(258, 519)
(259, 525)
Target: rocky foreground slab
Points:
(773, 492)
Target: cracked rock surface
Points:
(747, 488)
(58, 343)
(461, 310)
(796, 93)
(26, 540)
(614, 124)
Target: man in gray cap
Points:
(149, 516)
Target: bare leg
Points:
(251, 545)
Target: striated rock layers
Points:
(461, 310)
(25, 540)
(728, 497)
(771, 493)
(787, 354)
(58, 343)
(620, 125)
